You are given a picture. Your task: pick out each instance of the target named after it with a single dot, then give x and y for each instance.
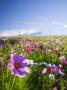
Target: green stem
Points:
(12, 83)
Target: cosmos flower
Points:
(62, 58)
(19, 65)
(28, 50)
(44, 71)
(2, 44)
(65, 61)
(37, 45)
(45, 43)
(51, 76)
(48, 50)
(53, 69)
(61, 72)
(60, 65)
(58, 42)
(55, 88)
(56, 52)
(56, 69)
(30, 39)
(26, 43)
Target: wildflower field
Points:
(33, 63)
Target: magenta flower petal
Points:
(28, 50)
(19, 65)
(65, 61)
(54, 69)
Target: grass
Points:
(34, 80)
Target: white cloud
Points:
(36, 26)
(18, 32)
(65, 26)
(47, 23)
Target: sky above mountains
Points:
(48, 17)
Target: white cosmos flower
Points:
(52, 77)
(62, 58)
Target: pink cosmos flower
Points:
(60, 66)
(65, 61)
(19, 65)
(61, 72)
(37, 45)
(62, 58)
(55, 88)
(1, 46)
(53, 69)
(28, 50)
(44, 71)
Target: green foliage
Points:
(35, 80)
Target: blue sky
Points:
(31, 16)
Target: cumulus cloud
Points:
(47, 23)
(65, 26)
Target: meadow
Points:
(33, 63)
